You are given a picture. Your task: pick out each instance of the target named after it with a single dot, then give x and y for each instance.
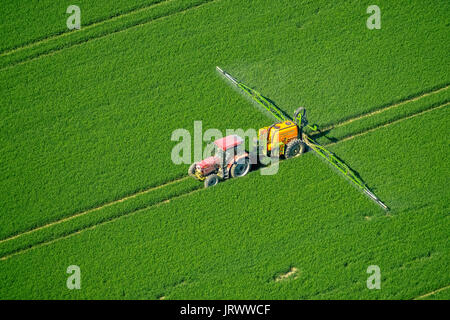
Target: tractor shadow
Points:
(324, 134)
(286, 115)
(356, 173)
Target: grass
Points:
(40, 19)
(104, 214)
(440, 294)
(160, 10)
(87, 118)
(384, 116)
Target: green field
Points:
(86, 120)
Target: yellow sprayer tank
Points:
(279, 133)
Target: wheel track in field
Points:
(61, 34)
(57, 49)
(131, 196)
(383, 109)
(105, 205)
(129, 213)
(75, 231)
(345, 138)
(432, 293)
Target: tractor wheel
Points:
(294, 148)
(211, 180)
(191, 170)
(240, 169)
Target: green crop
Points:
(77, 135)
(385, 116)
(104, 214)
(36, 20)
(135, 18)
(86, 119)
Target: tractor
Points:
(284, 138)
(229, 159)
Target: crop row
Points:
(95, 31)
(34, 21)
(384, 116)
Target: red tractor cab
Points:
(228, 159)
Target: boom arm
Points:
(256, 96)
(332, 160)
(300, 119)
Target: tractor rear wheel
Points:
(211, 180)
(294, 148)
(240, 169)
(191, 170)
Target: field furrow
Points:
(61, 229)
(44, 39)
(440, 89)
(103, 206)
(434, 292)
(99, 30)
(349, 134)
(38, 20)
(67, 233)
